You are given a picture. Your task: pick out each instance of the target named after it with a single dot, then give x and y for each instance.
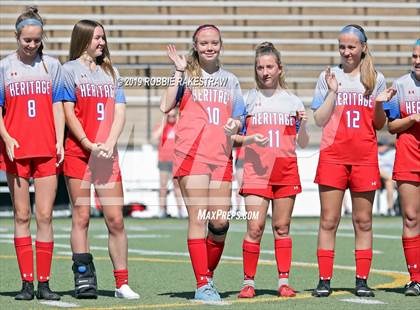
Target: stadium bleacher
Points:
(305, 32)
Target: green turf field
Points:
(160, 269)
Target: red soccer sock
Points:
(411, 247)
(44, 253)
(24, 254)
(214, 252)
(198, 255)
(121, 277)
(250, 253)
(363, 262)
(325, 263)
(283, 252)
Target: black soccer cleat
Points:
(44, 292)
(412, 289)
(362, 289)
(323, 289)
(85, 284)
(27, 291)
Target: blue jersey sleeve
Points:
(238, 110)
(321, 90)
(69, 87)
(2, 86)
(392, 107)
(119, 90)
(57, 84)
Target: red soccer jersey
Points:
(167, 143)
(95, 95)
(349, 137)
(203, 112)
(405, 103)
(27, 95)
(273, 117)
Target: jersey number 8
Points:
(31, 108)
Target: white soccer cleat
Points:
(126, 292)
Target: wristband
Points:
(179, 70)
(82, 138)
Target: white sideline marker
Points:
(364, 301)
(59, 304)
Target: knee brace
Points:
(218, 231)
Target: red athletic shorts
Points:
(94, 170)
(37, 167)
(270, 191)
(356, 177)
(186, 165)
(406, 176)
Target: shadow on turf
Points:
(397, 290)
(104, 293)
(190, 295)
(335, 289)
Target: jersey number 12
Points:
(353, 118)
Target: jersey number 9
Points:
(100, 109)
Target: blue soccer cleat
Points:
(207, 293)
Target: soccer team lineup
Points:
(67, 119)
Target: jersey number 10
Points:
(214, 115)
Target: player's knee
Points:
(255, 232)
(364, 225)
(281, 230)
(80, 221)
(330, 224)
(22, 217)
(410, 221)
(43, 217)
(115, 224)
(218, 228)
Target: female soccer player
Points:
(403, 112)
(347, 106)
(164, 135)
(95, 114)
(31, 110)
(275, 116)
(209, 103)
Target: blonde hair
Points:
(31, 12)
(81, 37)
(367, 69)
(267, 48)
(193, 64)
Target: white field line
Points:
(59, 304)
